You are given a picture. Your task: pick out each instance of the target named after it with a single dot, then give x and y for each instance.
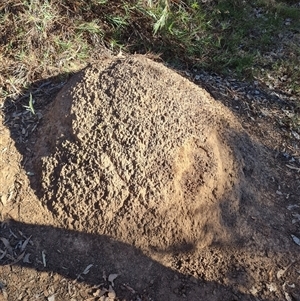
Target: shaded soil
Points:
(137, 171)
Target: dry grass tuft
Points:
(42, 39)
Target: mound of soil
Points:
(133, 150)
(137, 172)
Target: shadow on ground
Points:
(68, 253)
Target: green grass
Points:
(40, 39)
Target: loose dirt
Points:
(139, 172)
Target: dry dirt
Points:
(136, 171)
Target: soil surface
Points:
(136, 184)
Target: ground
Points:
(134, 183)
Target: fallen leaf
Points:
(129, 288)
(18, 258)
(112, 277)
(6, 244)
(296, 239)
(3, 254)
(44, 258)
(13, 234)
(26, 258)
(87, 269)
(10, 257)
(24, 245)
